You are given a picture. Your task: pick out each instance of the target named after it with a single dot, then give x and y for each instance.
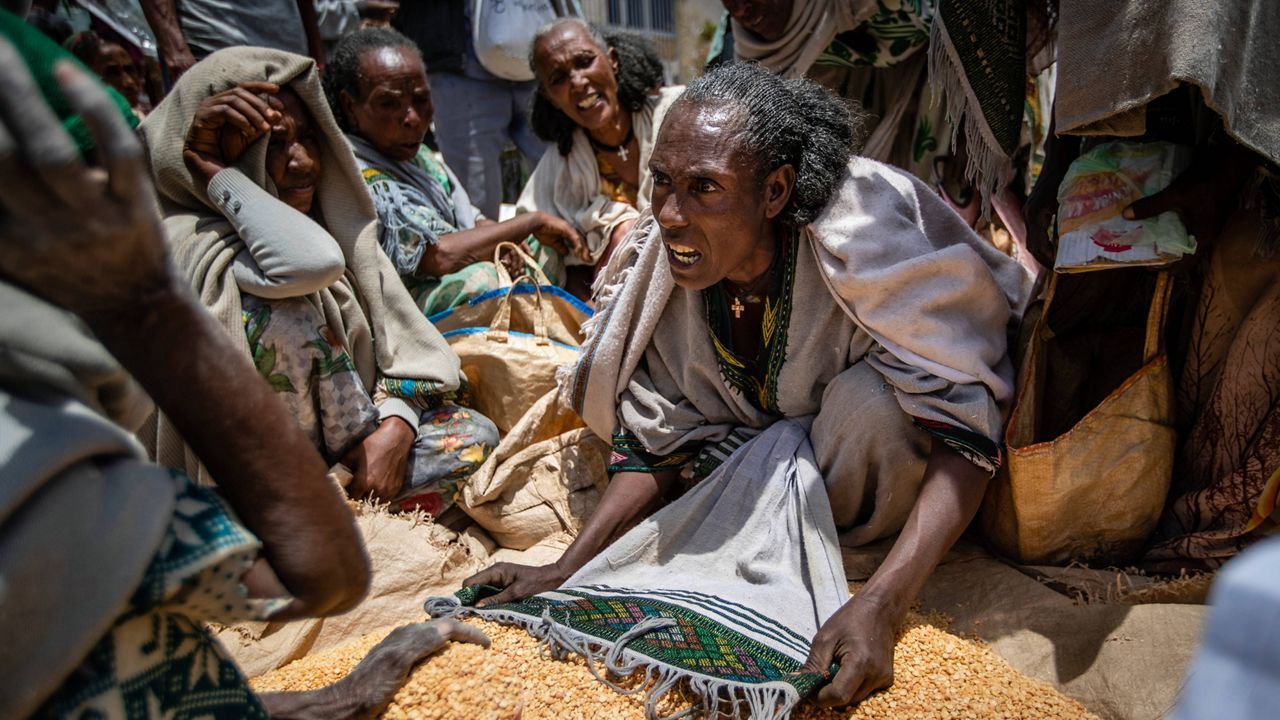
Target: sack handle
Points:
(501, 323)
(504, 278)
(1154, 344)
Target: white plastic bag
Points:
(502, 32)
(1098, 186)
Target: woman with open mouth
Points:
(777, 279)
(600, 103)
(268, 218)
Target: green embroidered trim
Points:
(756, 379)
(630, 455)
(696, 644)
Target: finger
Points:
(511, 594)
(463, 632)
(840, 691)
(871, 684)
(119, 151)
(36, 133)
(255, 114)
(260, 86)
(1151, 206)
(495, 576)
(236, 119)
(821, 654)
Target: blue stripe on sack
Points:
(521, 289)
(474, 331)
(747, 617)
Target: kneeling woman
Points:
(439, 242)
(782, 277)
(269, 220)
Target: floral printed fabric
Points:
(308, 367)
(157, 660)
(302, 359)
(412, 218)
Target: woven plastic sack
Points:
(544, 478)
(1094, 493)
(502, 33)
(511, 339)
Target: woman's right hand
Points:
(227, 123)
(517, 581)
(555, 232)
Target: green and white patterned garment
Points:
(158, 660)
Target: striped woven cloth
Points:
(722, 590)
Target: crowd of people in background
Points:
(814, 225)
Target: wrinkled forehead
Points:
(563, 42)
(294, 112)
(397, 65)
(702, 135)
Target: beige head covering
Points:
(812, 27)
(386, 335)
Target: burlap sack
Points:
(511, 340)
(544, 478)
(1094, 493)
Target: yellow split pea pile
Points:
(936, 675)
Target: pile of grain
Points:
(937, 675)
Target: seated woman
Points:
(270, 221)
(112, 566)
(439, 242)
(780, 276)
(599, 102)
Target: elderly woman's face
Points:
(394, 109)
(713, 210)
(293, 153)
(578, 76)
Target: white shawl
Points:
(569, 186)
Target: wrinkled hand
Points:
(517, 581)
(562, 236)
(860, 636)
(384, 670)
(86, 238)
(379, 463)
(514, 263)
(369, 688)
(227, 123)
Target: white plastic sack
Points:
(502, 33)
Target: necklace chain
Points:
(620, 150)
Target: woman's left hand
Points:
(226, 124)
(861, 637)
(380, 461)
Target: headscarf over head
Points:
(384, 332)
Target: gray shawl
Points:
(934, 303)
(81, 511)
(1115, 57)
